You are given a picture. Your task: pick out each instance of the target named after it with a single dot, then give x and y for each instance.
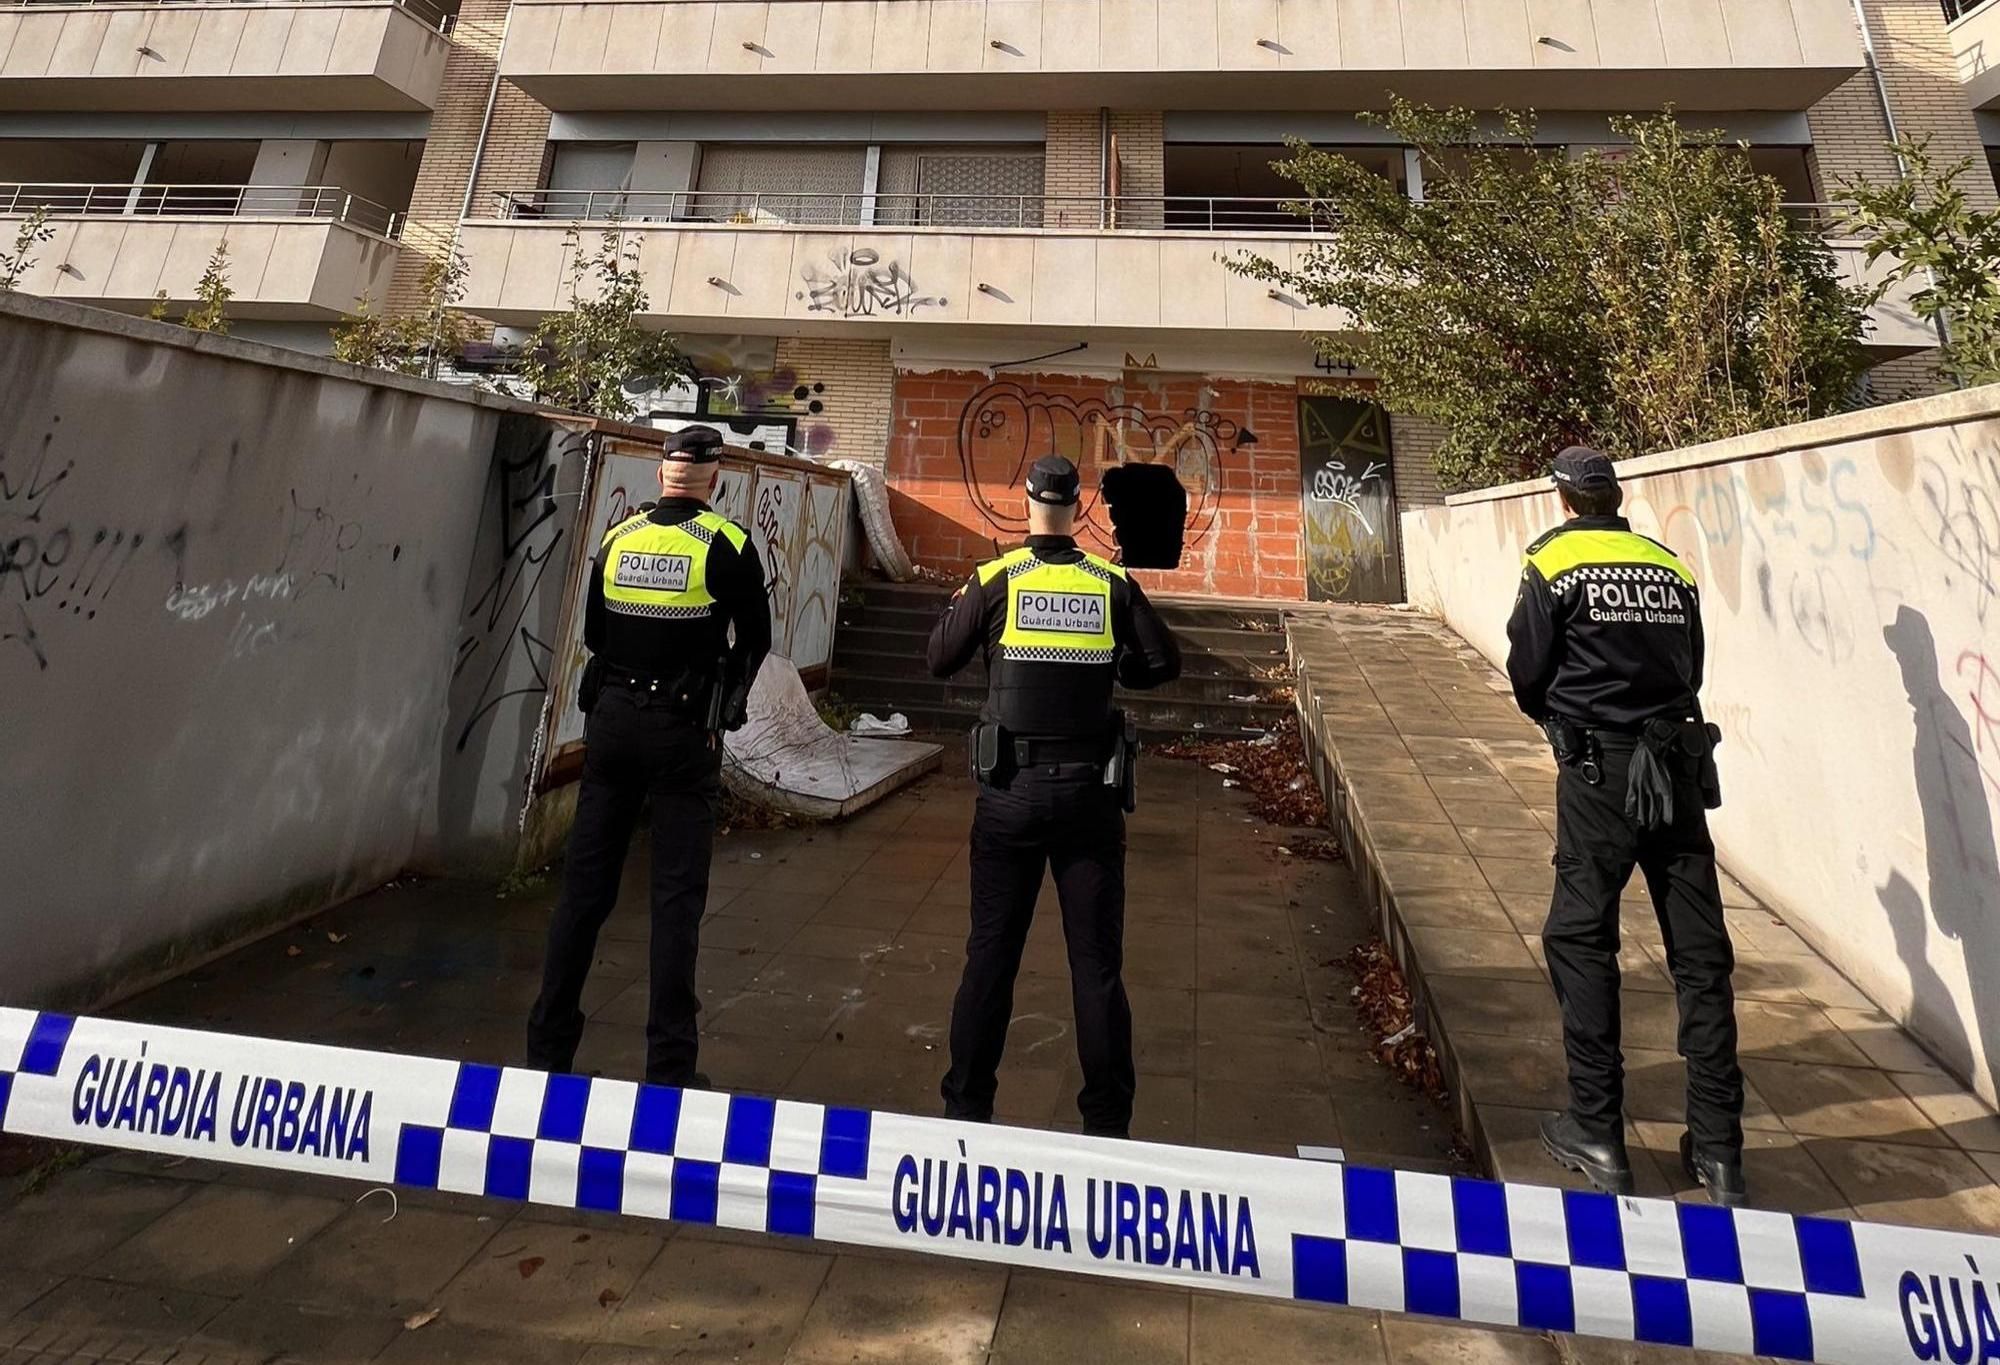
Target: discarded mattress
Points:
(787, 758)
(871, 500)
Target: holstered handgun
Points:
(591, 685)
(1121, 770)
(984, 750)
(1699, 739)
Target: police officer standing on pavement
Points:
(677, 622)
(1053, 759)
(1606, 655)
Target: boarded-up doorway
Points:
(1349, 495)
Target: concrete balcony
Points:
(282, 56)
(297, 253)
(1975, 37)
(753, 274)
(1179, 54)
(882, 264)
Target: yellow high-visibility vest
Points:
(662, 571)
(1605, 554)
(1056, 613)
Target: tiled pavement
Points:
(1447, 795)
(829, 960)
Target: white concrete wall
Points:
(277, 267)
(1850, 574)
(269, 635)
(1706, 54)
(363, 55)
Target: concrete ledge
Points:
(1915, 414)
(1442, 797)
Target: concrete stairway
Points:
(1234, 672)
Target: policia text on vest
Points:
(1605, 653)
(677, 622)
(1057, 627)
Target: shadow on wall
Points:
(1962, 862)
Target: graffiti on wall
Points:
(501, 656)
(738, 387)
(58, 571)
(862, 285)
(1005, 427)
(52, 566)
(1349, 508)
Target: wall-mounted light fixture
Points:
(986, 288)
(718, 281)
(1271, 43)
(67, 269)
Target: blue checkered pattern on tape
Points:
(698, 1156)
(1571, 1261)
(1646, 1270)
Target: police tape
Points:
(1643, 1270)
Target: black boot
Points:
(1721, 1176)
(1603, 1163)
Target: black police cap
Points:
(693, 445)
(1584, 469)
(1054, 481)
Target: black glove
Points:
(1649, 787)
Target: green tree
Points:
(581, 358)
(212, 295)
(1921, 220)
(33, 232)
(1634, 298)
(421, 343)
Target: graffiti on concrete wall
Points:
(1349, 501)
(1005, 427)
(59, 570)
(503, 653)
(861, 285)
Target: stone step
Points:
(1158, 713)
(1199, 680)
(868, 649)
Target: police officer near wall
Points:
(677, 622)
(1606, 655)
(1054, 763)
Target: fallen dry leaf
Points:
(423, 1319)
(332, 937)
(293, 950)
(530, 1265)
(1273, 770)
(607, 1298)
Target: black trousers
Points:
(1063, 818)
(633, 750)
(1596, 849)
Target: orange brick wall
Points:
(962, 441)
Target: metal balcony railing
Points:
(965, 211)
(1958, 9)
(198, 201)
(425, 12)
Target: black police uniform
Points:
(677, 622)
(1606, 652)
(1057, 626)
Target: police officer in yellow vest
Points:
(677, 622)
(1606, 655)
(1057, 627)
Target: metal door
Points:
(1347, 487)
